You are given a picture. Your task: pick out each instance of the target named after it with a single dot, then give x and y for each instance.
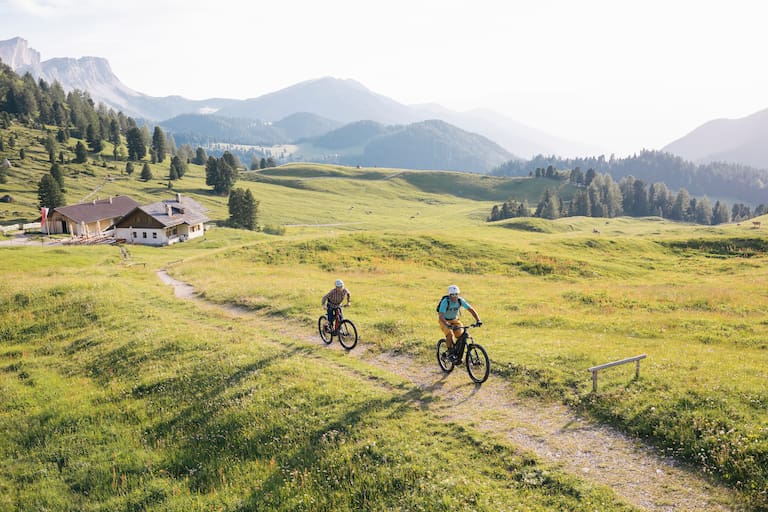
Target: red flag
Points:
(44, 212)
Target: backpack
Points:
(444, 297)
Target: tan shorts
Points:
(456, 332)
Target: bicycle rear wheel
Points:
(478, 364)
(347, 334)
(325, 329)
(443, 358)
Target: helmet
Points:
(339, 283)
(453, 289)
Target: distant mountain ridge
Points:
(742, 140)
(335, 99)
(94, 75)
(427, 145)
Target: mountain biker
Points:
(448, 311)
(334, 298)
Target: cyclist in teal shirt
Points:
(448, 312)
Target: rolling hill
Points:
(743, 141)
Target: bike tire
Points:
(478, 364)
(325, 330)
(442, 357)
(347, 334)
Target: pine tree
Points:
(720, 214)
(200, 156)
(81, 153)
(146, 172)
(58, 175)
(114, 137)
(136, 147)
(242, 209)
(178, 168)
(158, 144)
(49, 194)
(549, 207)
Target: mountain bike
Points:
(342, 328)
(476, 358)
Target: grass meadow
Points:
(119, 396)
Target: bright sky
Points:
(621, 75)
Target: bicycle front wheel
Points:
(443, 357)
(347, 334)
(478, 364)
(325, 329)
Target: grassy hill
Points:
(118, 395)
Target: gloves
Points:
(479, 323)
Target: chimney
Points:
(168, 209)
(178, 197)
(110, 199)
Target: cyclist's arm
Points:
(474, 313)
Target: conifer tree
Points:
(58, 175)
(242, 209)
(136, 147)
(146, 172)
(158, 144)
(81, 153)
(49, 194)
(200, 156)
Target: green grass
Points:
(119, 396)
(108, 405)
(555, 303)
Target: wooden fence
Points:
(596, 369)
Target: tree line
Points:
(713, 179)
(40, 105)
(598, 195)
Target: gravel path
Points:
(552, 432)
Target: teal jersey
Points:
(450, 309)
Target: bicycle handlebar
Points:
(466, 327)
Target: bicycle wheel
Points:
(442, 357)
(325, 329)
(347, 334)
(478, 364)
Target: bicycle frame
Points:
(338, 316)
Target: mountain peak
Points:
(17, 54)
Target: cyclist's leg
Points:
(457, 332)
(447, 333)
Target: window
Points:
(154, 235)
(133, 234)
(143, 234)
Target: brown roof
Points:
(100, 209)
(172, 212)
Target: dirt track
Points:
(550, 431)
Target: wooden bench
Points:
(596, 369)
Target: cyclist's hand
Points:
(479, 323)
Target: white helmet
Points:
(339, 283)
(453, 289)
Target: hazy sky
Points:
(622, 75)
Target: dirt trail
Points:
(552, 432)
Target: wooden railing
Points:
(596, 369)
